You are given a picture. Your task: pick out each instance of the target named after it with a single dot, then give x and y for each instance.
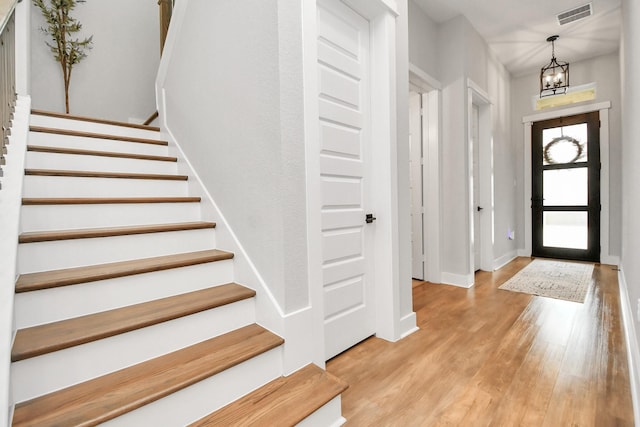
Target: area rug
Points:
(554, 279)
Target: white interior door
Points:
(477, 209)
(344, 122)
(416, 173)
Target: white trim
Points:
(563, 112)
(433, 195)
(10, 203)
(423, 80)
(313, 183)
(610, 260)
(408, 325)
(460, 280)
(479, 97)
(526, 179)
(631, 338)
(603, 109)
(372, 9)
(505, 259)
(432, 225)
(385, 162)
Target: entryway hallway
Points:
(485, 356)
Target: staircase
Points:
(126, 311)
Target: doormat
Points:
(553, 279)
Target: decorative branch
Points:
(61, 26)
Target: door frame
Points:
(390, 324)
(417, 124)
(481, 99)
(603, 108)
(592, 166)
(431, 92)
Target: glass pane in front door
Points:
(566, 187)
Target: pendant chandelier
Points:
(554, 77)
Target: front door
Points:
(344, 122)
(565, 201)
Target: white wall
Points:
(605, 72)
(630, 65)
(234, 99)
(464, 55)
(423, 37)
(116, 80)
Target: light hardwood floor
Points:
(489, 357)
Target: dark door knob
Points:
(370, 218)
(479, 208)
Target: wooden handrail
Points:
(166, 10)
(151, 118)
(7, 79)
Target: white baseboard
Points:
(610, 259)
(504, 259)
(524, 252)
(408, 325)
(460, 280)
(633, 349)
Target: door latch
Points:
(370, 218)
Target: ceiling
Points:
(516, 30)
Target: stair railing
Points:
(166, 10)
(8, 94)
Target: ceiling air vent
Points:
(575, 14)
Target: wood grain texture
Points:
(283, 402)
(104, 398)
(72, 276)
(105, 200)
(50, 337)
(88, 233)
(68, 132)
(92, 174)
(94, 120)
(490, 357)
(61, 150)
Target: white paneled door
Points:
(344, 123)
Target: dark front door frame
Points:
(592, 253)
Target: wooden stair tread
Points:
(87, 233)
(61, 150)
(91, 174)
(42, 339)
(94, 120)
(71, 276)
(283, 402)
(106, 397)
(68, 132)
(105, 200)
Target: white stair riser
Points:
(63, 186)
(98, 144)
(76, 162)
(43, 256)
(84, 126)
(329, 415)
(200, 399)
(60, 217)
(50, 305)
(43, 374)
